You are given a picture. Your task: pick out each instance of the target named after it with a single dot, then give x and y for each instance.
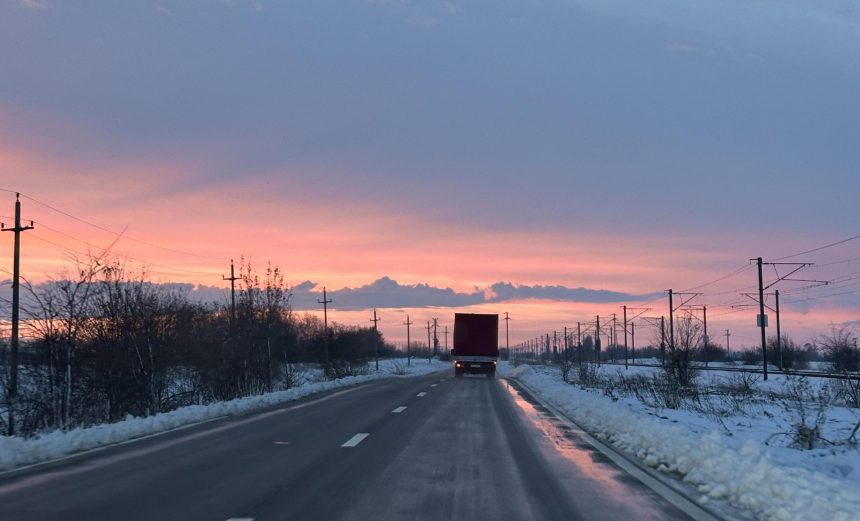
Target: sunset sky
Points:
(403, 148)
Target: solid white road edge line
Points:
(399, 409)
(637, 470)
(421, 394)
(355, 440)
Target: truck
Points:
(476, 344)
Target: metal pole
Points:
(671, 324)
(579, 343)
(633, 339)
(761, 318)
(778, 335)
(625, 337)
(663, 340)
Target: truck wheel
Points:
(458, 374)
(491, 374)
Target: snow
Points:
(728, 462)
(16, 451)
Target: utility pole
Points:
(429, 349)
(705, 339)
(671, 324)
(435, 338)
(507, 338)
(778, 334)
(325, 302)
(633, 339)
(672, 309)
(625, 336)
(376, 336)
(554, 343)
(762, 322)
(408, 340)
(16, 276)
(446, 341)
(579, 342)
(728, 348)
(762, 319)
(232, 278)
(597, 340)
(663, 339)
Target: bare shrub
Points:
(808, 408)
(847, 391)
(840, 349)
(589, 375)
(566, 361)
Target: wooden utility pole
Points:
(232, 278)
(13, 344)
(325, 302)
(408, 340)
(728, 348)
(435, 338)
(429, 348)
(507, 337)
(375, 319)
(446, 340)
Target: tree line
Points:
(107, 343)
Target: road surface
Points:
(421, 448)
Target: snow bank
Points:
(746, 477)
(15, 451)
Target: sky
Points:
(432, 157)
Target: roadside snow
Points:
(15, 451)
(772, 483)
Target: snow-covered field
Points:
(746, 460)
(15, 451)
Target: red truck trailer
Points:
(476, 343)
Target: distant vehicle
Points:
(476, 343)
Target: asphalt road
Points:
(423, 448)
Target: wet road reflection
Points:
(586, 472)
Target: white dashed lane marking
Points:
(399, 409)
(355, 440)
(433, 385)
(422, 393)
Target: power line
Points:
(144, 264)
(837, 243)
(738, 271)
(121, 235)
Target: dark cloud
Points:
(385, 293)
(502, 291)
(388, 293)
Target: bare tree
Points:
(59, 312)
